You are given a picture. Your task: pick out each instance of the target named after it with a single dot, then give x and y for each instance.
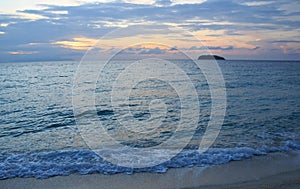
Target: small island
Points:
(210, 57)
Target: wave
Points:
(66, 162)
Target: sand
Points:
(276, 170)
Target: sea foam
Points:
(66, 162)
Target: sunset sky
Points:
(46, 30)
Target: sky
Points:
(48, 30)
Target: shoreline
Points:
(277, 170)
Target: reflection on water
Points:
(36, 106)
(36, 114)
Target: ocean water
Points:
(39, 136)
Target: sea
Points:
(40, 136)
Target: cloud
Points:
(174, 48)
(163, 2)
(156, 50)
(175, 2)
(255, 48)
(286, 41)
(4, 24)
(21, 52)
(145, 50)
(228, 48)
(77, 43)
(140, 1)
(258, 3)
(67, 30)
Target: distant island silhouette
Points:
(210, 57)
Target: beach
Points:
(151, 94)
(277, 170)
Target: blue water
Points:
(39, 137)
